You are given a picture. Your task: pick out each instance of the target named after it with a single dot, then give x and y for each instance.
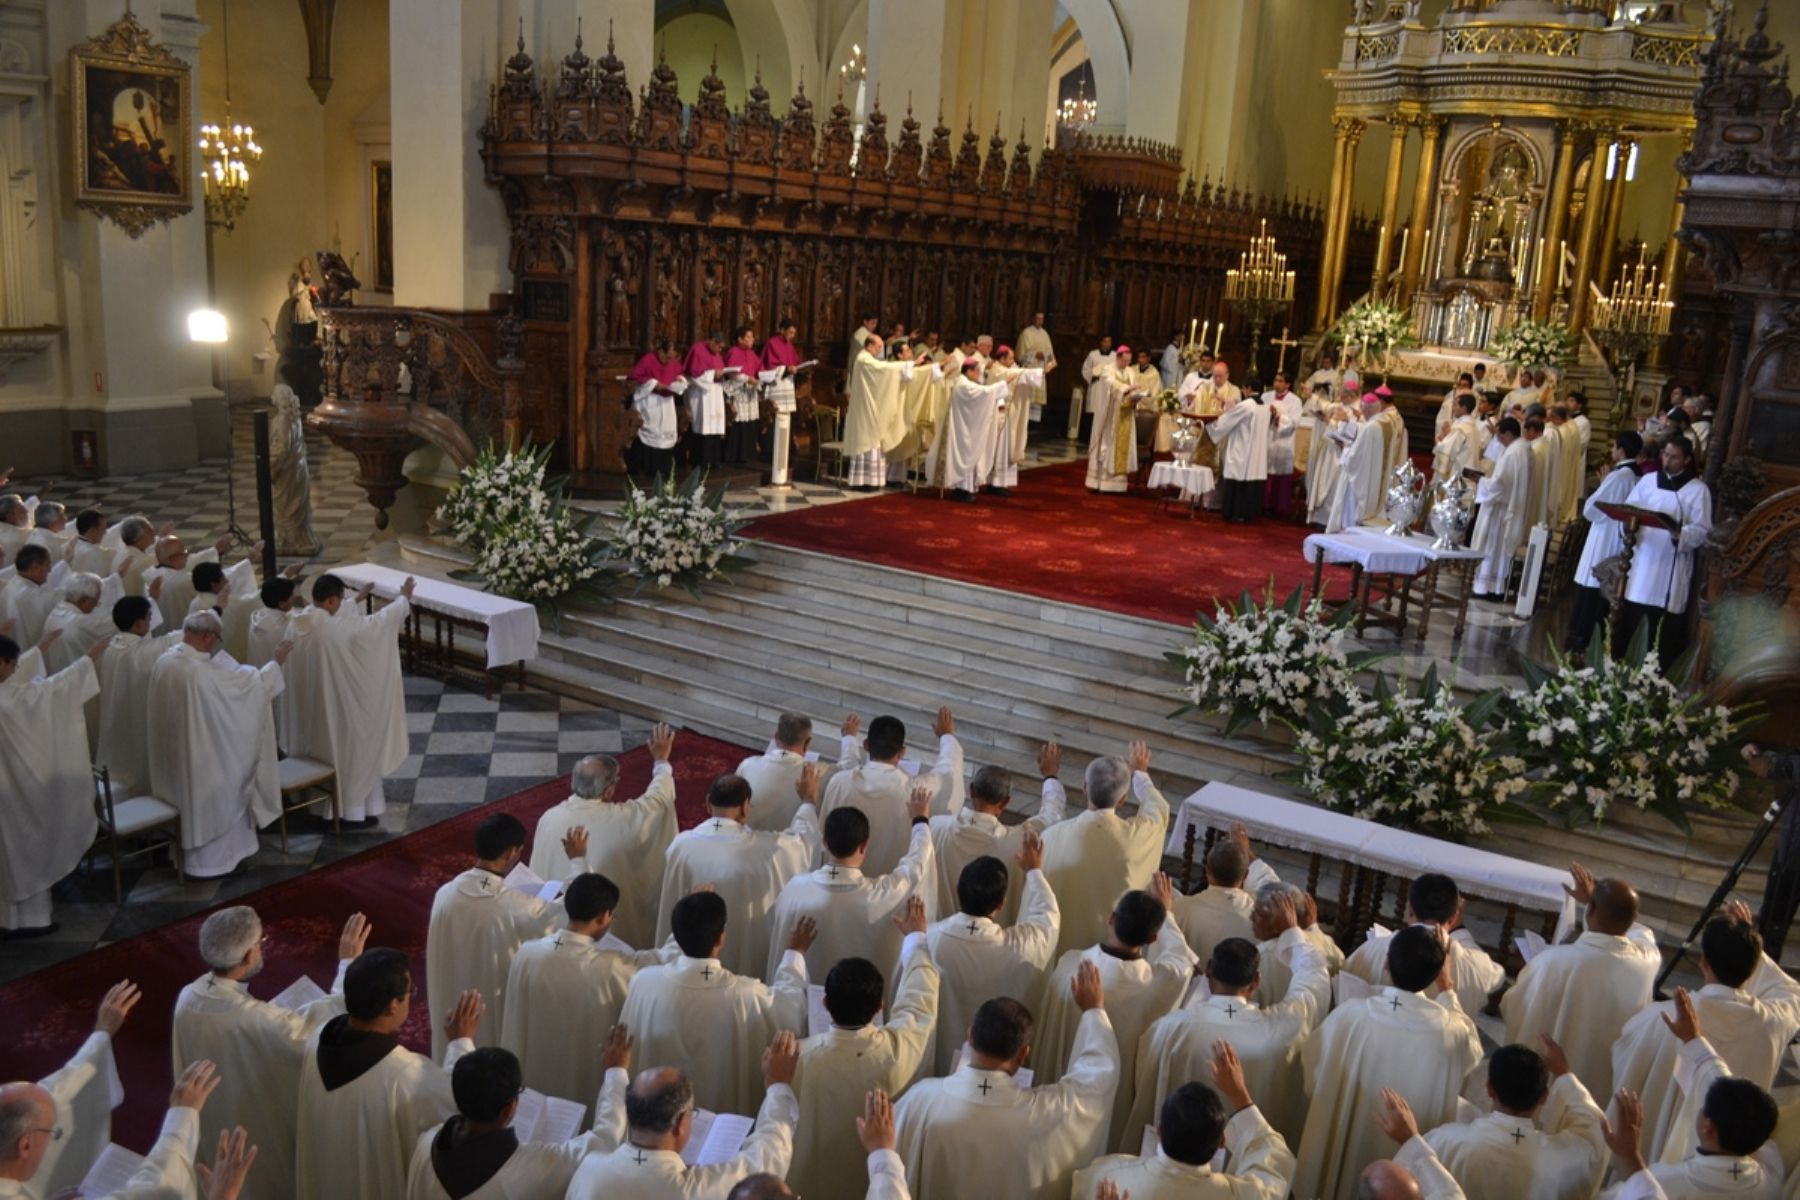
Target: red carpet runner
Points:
(52, 1012)
(1055, 539)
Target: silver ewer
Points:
(1405, 497)
(1450, 514)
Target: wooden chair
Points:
(134, 817)
(828, 441)
(300, 776)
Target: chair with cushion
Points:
(134, 817)
(300, 776)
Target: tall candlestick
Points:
(1218, 334)
(1405, 232)
(1192, 321)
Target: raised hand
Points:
(1031, 852)
(944, 722)
(807, 786)
(616, 1051)
(1138, 755)
(1624, 1132)
(98, 649)
(1049, 760)
(406, 589)
(1228, 1075)
(1162, 888)
(1395, 1116)
(662, 743)
(1086, 987)
(852, 725)
(1737, 910)
(354, 937)
(223, 544)
(198, 1082)
(875, 1128)
(1684, 1022)
(911, 918)
(1583, 889)
(1282, 915)
(120, 999)
(1240, 833)
(49, 639)
(463, 1020)
(282, 651)
(1109, 1190)
(780, 1059)
(575, 843)
(918, 804)
(224, 1180)
(293, 572)
(1554, 1058)
(806, 932)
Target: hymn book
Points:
(525, 881)
(1625, 514)
(716, 1138)
(111, 1172)
(298, 994)
(546, 1120)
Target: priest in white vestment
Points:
(649, 1128)
(1504, 500)
(1267, 923)
(347, 697)
(1583, 992)
(715, 1022)
(478, 924)
(1222, 908)
(78, 1098)
(28, 598)
(858, 1054)
(1267, 1038)
(1358, 493)
(1434, 901)
(1749, 1007)
(79, 620)
(979, 958)
(979, 830)
(235, 595)
(1242, 434)
(1145, 968)
(174, 568)
(1662, 563)
(1112, 448)
(259, 1046)
(870, 777)
(1544, 451)
(1034, 351)
(1285, 414)
(746, 867)
(212, 746)
(48, 820)
(875, 419)
(1333, 429)
(1194, 1123)
(854, 912)
(364, 1099)
(1094, 857)
(477, 1155)
(1571, 469)
(980, 1132)
(120, 735)
(626, 839)
(565, 990)
(1460, 447)
(968, 439)
(1542, 1141)
(774, 775)
(271, 623)
(1397, 1038)
(1097, 365)
(1014, 416)
(91, 553)
(1605, 539)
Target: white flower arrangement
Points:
(676, 535)
(1167, 401)
(1618, 731)
(1414, 760)
(1529, 344)
(1374, 325)
(525, 542)
(1270, 663)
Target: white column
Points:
(1159, 34)
(906, 57)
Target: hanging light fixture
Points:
(226, 152)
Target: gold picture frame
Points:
(133, 126)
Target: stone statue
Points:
(290, 479)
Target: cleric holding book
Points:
(1662, 563)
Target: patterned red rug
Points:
(52, 1011)
(1055, 539)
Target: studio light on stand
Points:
(208, 327)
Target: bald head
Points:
(1614, 908)
(171, 552)
(659, 1106)
(762, 1187)
(27, 1114)
(1385, 1179)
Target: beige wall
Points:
(690, 43)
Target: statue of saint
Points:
(290, 478)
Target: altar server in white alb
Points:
(1434, 902)
(1267, 1038)
(869, 776)
(979, 829)
(1423, 1049)
(1582, 993)
(626, 839)
(1193, 1125)
(979, 1132)
(774, 775)
(1544, 1139)
(1662, 563)
(212, 746)
(364, 1098)
(1094, 857)
(1504, 500)
(746, 867)
(259, 1046)
(1145, 968)
(1242, 433)
(655, 382)
(348, 701)
(48, 820)
(478, 924)
(695, 1011)
(1285, 417)
(120, 735)
(1605, 538)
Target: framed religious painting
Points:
(133, 127)
(381, 222)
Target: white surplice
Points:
(1242, 432)
(1421, 1048)
(1475, 974)
(695, 1014)
(348, 700)
(1503, 521)
(774, 778)
(1178, 1048)
(1662, 564)
(1581, 994)
(747, 868)
(881, 791)
(627, 840)
(212, 741)
(1096, 856)
(477, 925)
(1286, 410)
(1356, 494)
(47, 822)
(978, 1133)
(1558, 1156)
(357, 1139)
(959, 840)
(854, 911)
(1139, 992)
(1260, 1165)
(839, 1067)
(1605, 536)
(979, 960)
(259, 1048)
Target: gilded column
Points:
(1562, 183)
(1599, 192)
(1607, 259)
(1674, 254)
(1341, 246)
(1424, 190)
(1390, 203)
(1322, 313)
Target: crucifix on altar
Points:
(1285, 343)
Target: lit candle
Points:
(1204, 330)
(1192, 323)
(1217, 335)
(1405, 231)
(1425, 255)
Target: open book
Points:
(716, 1137)
(546, 1120)
(523, 880)
(1625, 514)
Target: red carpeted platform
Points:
(1055, 539)
(52, 1012)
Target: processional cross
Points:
(1285, 343)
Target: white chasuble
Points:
(876, 417)
(1112, 447)
(748, 868)
(1259, 1165)
(477, 925)
(881, 790)
(960, 839)
(1581, 994)
(968, 439)
(1501, 524)
(348, 701)
(979, 960)
(1559, 1155)
(627, 840)
(121, 736)
(49, 818)
(1357, 496)
(854, 912)
(1093, 858)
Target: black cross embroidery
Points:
(973, 927)
(1736, 1170)
(717, 824)
(1230, 1012)
(1518, 1135)
(638, 1158)
(1394, 1004)
(706, 972)
(986, 1087)
(832, 871)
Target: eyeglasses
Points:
(55, 1133)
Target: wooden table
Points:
(1396, 569)
(506, 630)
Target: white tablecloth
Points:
(1378, 553)
(512, 625)
(1194, 482)
(1314, 830)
